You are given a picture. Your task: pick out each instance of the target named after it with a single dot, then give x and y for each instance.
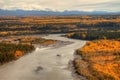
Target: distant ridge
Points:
(47, 13)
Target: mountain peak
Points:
(47, 11)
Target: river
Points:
(44, 63)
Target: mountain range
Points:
(50, 12)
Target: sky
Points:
(61, 5)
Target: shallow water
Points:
(43, 64)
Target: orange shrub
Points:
(18, 53)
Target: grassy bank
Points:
(12, 48)
(100, 60)
(9, 52)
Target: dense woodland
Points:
(57, 24)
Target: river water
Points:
(44, 63)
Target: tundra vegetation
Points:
(100, 57)
(19, 46)
(12, 25)
(10, 52)
(94, 35)
(100, 60)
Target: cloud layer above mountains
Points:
(61, 5)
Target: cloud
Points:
(103, 6)
(1, 2)
(23, 6)
(60, 5)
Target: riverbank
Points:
(48, 63)
(14, 47)
(98, 60)
(10, 52)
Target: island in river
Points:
(13, 47)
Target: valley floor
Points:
(50, 63)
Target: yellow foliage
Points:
(69, 35)
(102, 46)
(102, 58)
(18, 53)
(109, 68)
(48, 42)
